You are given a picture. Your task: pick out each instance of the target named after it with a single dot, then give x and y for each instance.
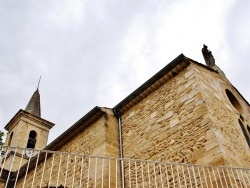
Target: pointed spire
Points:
(33, 106)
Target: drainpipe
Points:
(118, 116)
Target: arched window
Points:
(32, 139)
(245, 132)
(10, 138)
(234, 101)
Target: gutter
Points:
(118, 116)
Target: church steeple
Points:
(33, 106)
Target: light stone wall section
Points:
(100, 138)
(170, 124)
(21, 126)
(233, 145)
(189, 119)
(21, 129)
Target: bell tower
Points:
(27, 129)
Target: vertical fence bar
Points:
(149, 183)
(222, 169)
(219, 177)
(167, 174)
(229, 178)
(215, 179)
(109, 174)
(161, 175)
(81, 172)
(35, 169)
(155, 175)
(142, 175)
(88, 172)
(234, 178)
(66, 173)
(171, 166)
(116, 173)
(19, 167)
(59, 169)
(195, 180)
(102, 171)
(11, 165)
(45, 160)
(51, 169)
(136, 183)
(238, 178)
(27, 169)
(3, 162)
(243, 177)
(248, 175)
(210, 178)
(74, 171)
(178, 174)
(184, 175)
(190, 180)
(205, 177)
(95, 171)
(198, 168)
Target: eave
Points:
(26, 114)
(161, 77)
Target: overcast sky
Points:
(96, 52)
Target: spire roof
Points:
(33, 106)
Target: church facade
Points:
(187, 113)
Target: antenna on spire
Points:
(38, 83)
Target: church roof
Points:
(81, 124)
(33, 106)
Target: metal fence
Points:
(33, 168)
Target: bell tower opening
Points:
(10, 139)
(32, 140)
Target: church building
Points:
(186, 126)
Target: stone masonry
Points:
(99, 138)
(187, 120)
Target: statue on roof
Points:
(209, 58)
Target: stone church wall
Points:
(225, 118)
(171, 124)
(189, 119)
(99, 138)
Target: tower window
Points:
(234, 101)
(32, 139)
(10, 139)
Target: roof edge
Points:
(150, 81)
(20, 112)
(88, 118)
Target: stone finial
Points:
(33, 106)
(209, 58)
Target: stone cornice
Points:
(22, 113)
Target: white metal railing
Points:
(33, 168)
